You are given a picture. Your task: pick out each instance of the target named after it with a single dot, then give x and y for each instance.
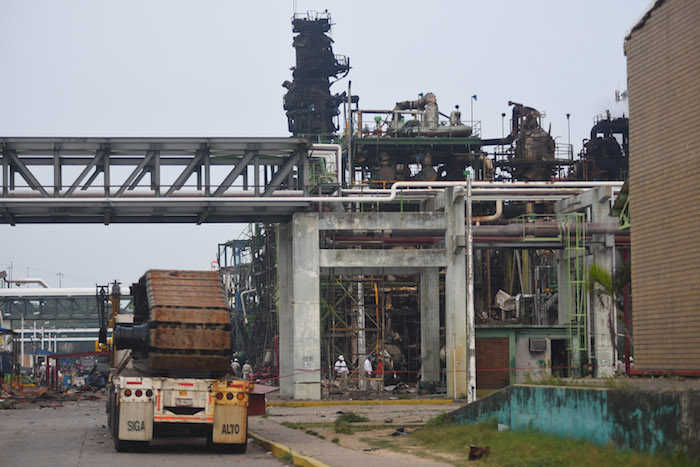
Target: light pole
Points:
(60, 276)
(568, 131)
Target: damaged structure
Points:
(309, 104)
(376, 274)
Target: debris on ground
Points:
(400, 432)
(476, 452)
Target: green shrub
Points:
(351, 417)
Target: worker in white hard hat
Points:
(236, 368)
(341, 370)
(366, 374)
(247, 371)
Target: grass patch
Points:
(440, 436)
(551, 380)
(343, 422)
(335, 440)
(294, 425)
(351, 417)
(286, 457)
(441, 419)
(344, 428)
(403, 396)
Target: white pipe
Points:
(491, 217)
(54, 292)
(471, 339)
(338, 157)
(28, 280)
(245, 316)
(499, 187)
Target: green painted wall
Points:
(627, 418)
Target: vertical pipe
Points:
(471, 352)
(21, 337)
(628, 366)
(454, 367)
(348, 129)
(361, 341)
(488, 279)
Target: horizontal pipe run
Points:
(29, 280)
(545, 229)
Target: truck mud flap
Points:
(135, 421)
(230, 424)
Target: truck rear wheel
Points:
(121, 445)
(230, 448)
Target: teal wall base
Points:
(627, 418)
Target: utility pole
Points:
(60, 276)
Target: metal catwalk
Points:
(105, 180)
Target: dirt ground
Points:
(383, 422)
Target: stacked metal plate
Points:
(188, 320)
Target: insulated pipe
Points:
(55, 292)
(492, 217)
(245, 316)
(548, 229)
(338, 157)
(499, 187)
(32, 280)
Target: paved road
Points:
(76, 434)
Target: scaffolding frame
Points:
(342, 301)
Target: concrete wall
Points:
(532, 364)
(627, 418)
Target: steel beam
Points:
(383, 258)
(382, 221)
(281, 174)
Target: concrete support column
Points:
(430, 324)
(284, 308)
(603, 314)
(306, 307)
(455, 294)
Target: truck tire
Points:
(121, 445)
(130, 446)
(228, 448)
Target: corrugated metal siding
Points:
(663, 74)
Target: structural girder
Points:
(135, 180)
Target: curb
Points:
(281, 451)
(389, 402)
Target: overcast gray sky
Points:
(215, 68)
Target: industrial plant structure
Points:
(461, 262)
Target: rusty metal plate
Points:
(190, 339)
(160, 362)
(190, 315)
